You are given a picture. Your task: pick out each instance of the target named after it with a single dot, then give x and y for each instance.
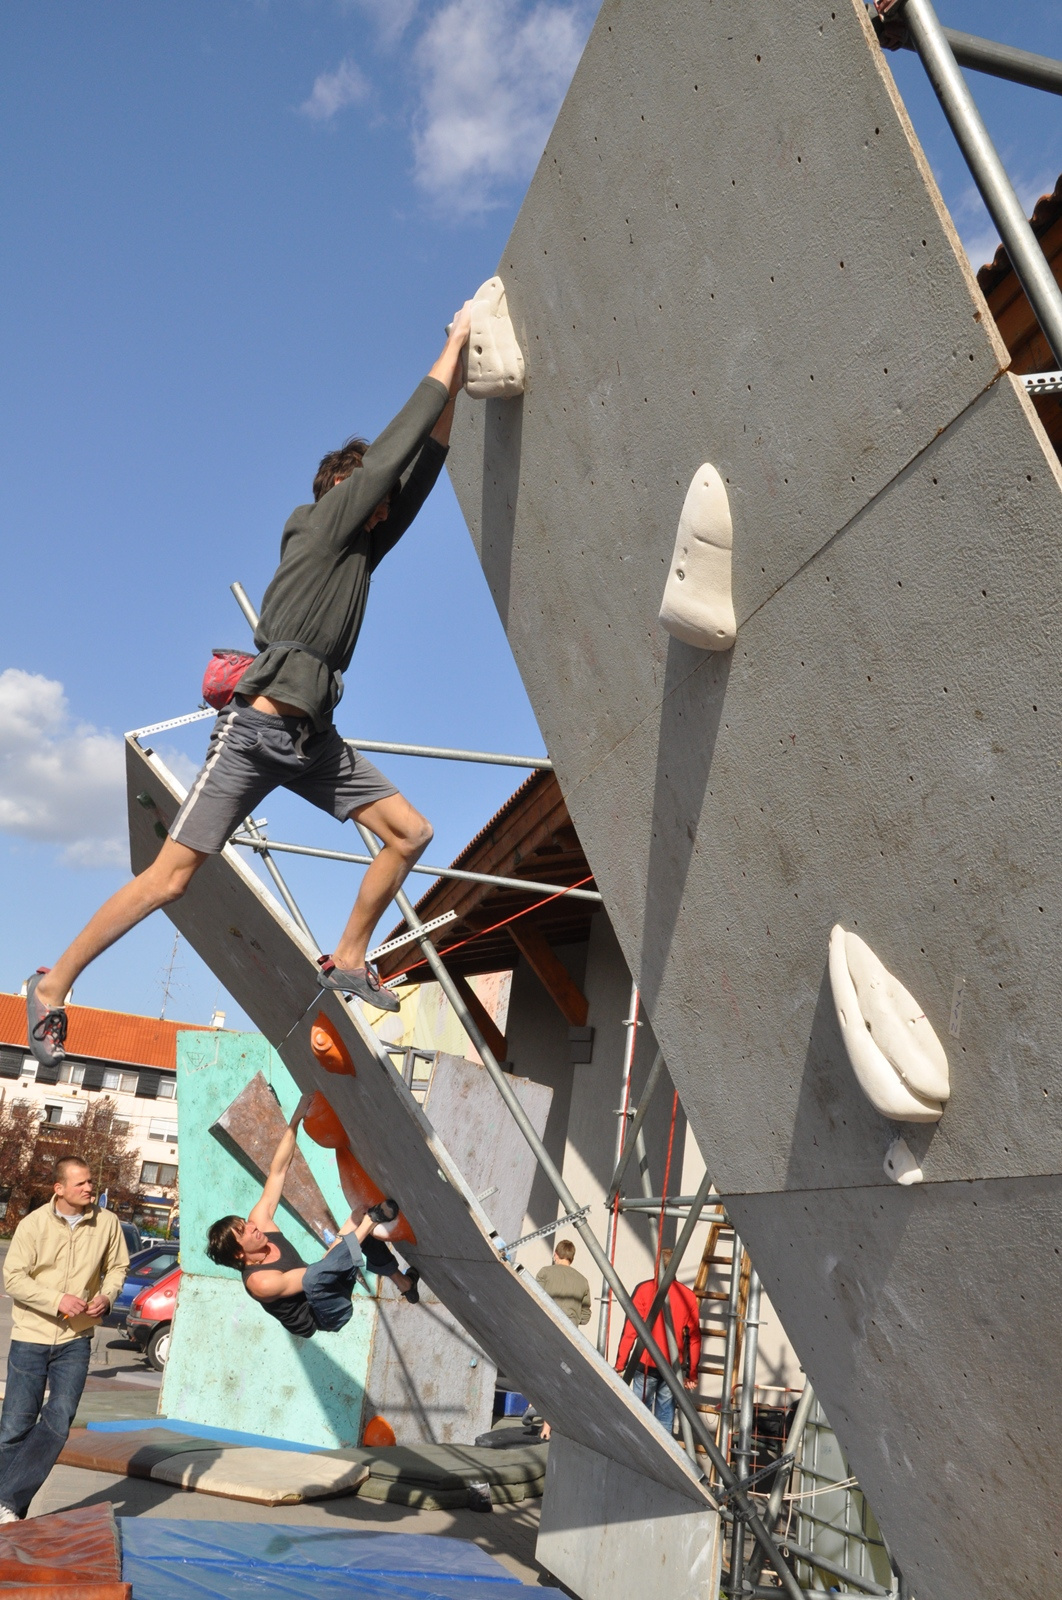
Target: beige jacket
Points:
(47, 1259)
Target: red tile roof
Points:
(102, 1035)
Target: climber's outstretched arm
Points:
(262, 1213)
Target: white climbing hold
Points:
(698, 606)
(896, 1057)
(900, 1165)
(495, 361)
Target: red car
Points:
(151, 1316)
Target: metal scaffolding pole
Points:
(785, 1477)
(670, 1272)
(743, 1453)
(526, 885)
(685, 1405)
(623, 1155)
(997, 191)
(1001, 60)
(622, 1145)
(271, 867)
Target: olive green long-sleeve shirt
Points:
(47, 1259)
(318, 594)
(568, 1289)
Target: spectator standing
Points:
(647, 1383)
(568, 1289)
(66, 1262)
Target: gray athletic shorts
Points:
(252, 753)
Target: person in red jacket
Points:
(647, 1383)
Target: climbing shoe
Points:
(47, 1024)
(412, 1294)
(386, 1211)
(361, 981)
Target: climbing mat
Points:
(168, 1559)
(733, 252)
(251, 945)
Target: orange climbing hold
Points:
(329, 1048)
(361, 1193)
(378, 1434)
(323, 1126)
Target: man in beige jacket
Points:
(64, 1266)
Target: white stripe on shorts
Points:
(221, 733)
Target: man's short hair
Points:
(65, 1164)
(565, 1249)
(223, 1246)
(338, 464)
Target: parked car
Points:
(151, 1316)
(134, 1239)
(147, 1266)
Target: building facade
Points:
(129, 1060)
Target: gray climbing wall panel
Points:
(733, 251)
(262, 960)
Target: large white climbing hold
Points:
(495, 360)
(698, 606)
(895, 1055)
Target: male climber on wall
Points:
(276, 727)
(306, 1299)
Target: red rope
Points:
(537, 906)
(667, 1180)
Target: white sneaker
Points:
(7, 1515)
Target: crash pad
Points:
(450, 1466)
(182, 1560)
(131, 1453)
(63, 1552)
(266, 1477)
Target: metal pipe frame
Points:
(670, 1272)
(743, 1453)
(784, 1478)
(742, 1504)
(271, 867)
(630, 1044)
(624, 1155)
(1002, 60)
(834, 1568)
(988, 172)
(529, 887)
(686, 1406)
(653, 1202)
(436, 752)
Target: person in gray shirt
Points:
(277, 730)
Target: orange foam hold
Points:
(378, 1434)
(325, 1129)
(329, 1048)
(323, 1126)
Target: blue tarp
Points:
(186, 1560)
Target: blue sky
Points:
(233, 232)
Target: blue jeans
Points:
(33, 1430)
(328, 1284)
(653, 1392)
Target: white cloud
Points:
(492, 76)
(332, 91)
(391, 17)
(60, 783)
(979, 234)
(63, 782)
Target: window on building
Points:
(72, 1072)
(29, 1067)
(159, 1174)
(120, 1126)
(167, 1088)
(125, 1082)
(53, 1115)
(159, 1129)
